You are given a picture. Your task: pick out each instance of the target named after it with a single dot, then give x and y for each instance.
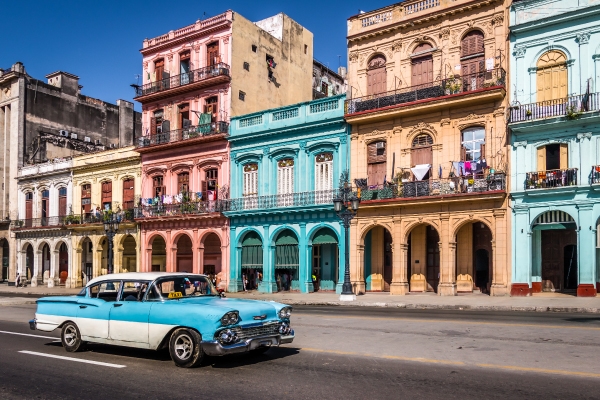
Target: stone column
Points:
(54, 263)
(117, 256)
(148, 266)
(196, 266)
(75, 279)
(399, 284)
(268, 284)
(586, 252)
(583, 39)
(447, 285)
(358, 283)
(521, 253)
(169, 266)
(97, 261)
(304, 272)
(35, 279)
(500, 259)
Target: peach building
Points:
(195, 79)
(426, 102)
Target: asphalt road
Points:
(352, 353)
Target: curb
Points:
(17, 302)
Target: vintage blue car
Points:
(154, 310)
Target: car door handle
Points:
(82, 306)
(117, 305)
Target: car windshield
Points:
(177, 287)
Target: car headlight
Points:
(230, 318)
(285, 312)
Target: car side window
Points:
(154, 294)
(106, 291)
(134, 290)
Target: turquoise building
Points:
(554, 123)
(285, 168)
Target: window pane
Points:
(134, 291)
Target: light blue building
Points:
(554, 122)
(285, 168)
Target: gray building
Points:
(45, 120)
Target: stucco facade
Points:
(427, 86)
(104, 183)
(555, 146)
(285, 168)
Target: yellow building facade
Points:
(105, 184)
(426, 102)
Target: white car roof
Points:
(136, 276)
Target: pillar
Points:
(305, 270)
(447, 285)
(35, 279)
(97, 261)
(235, 262)
(74, 279)
(54, 263)
(268, 284)
(197, 261)
(148, 266)
(586, 252)
(521, 253)
(500, 259)
(399, 284)
(464, 256)
(377, 259)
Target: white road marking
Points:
(33, 353)
(28, 334)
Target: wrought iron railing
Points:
(212, 71)
(38, 222)
(179, 209)
(434, 187)
(451, 85)
(551, 178)
(282, 200)
(570, 107)
(179, 135)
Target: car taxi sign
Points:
(175, 295)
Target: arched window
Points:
(552, 76)
(250, 186)
(184, 67)
(472, 60)
(62, 201)
(422, 65)
(473, 144)
(285, 176)
(422, 140)
(376, 76)
(324, 171)
(421, 152)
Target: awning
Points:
(252, 239)
(252, 257)
(286, 237)
(551, 226)
(287, 256)
(325, 236)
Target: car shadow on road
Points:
(244, 359)
(160, 355)
(583, 319)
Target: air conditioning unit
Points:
(97, 142)
(73, 135)
(380, 145)
(64, 133)
(87, 139)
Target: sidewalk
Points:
(543, 302)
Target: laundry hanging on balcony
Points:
(419, 171)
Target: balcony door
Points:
(376, 163)
(28, 206)
(107, 195)
(212, 107)
(184, 116)
(472, 61)
(422, 66)
(128, 194)
(62, 201)
(285, 181)
(212, 54)
(421, 152)
(552, 76)
(376, 76)
(184, 68)
(553, 156)
(86, 198)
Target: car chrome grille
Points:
(247, 333)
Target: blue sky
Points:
(100, 41)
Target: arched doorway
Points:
(252, 260)
(45, 264)
(87, 266)
(29, 262)
(555, 241)
(129, 262)
(378, 259)
(4, 259)
(474, 267)
(287, 261)
(63, 263)
(184, 254)
(158, 261)
(325, 260)
(212, 254)
(423, 258)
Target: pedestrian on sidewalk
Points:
(18, 280)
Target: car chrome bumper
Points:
(214, 348)
(33, 324)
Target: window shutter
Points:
(153, 126)
(482, 152)
(463, 153)
(541, 158)
(564, 156)
(62, 206)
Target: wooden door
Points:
(422, 71)
(159, 69)
(387, 260)
(86, 198)
(472, 53)
(376, 76)
(376, 173)
(433, 258)
(29, 205)
(553, 257)
(62, 205)
(107, 194)
(421, 155)
(552, 83)
(212, 54)
(212, 107)
(128, 194)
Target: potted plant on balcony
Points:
(72, 219)
(452, 84)
(572, 112)
(528, 112)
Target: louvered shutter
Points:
(153, 126)
(564, 156)
(62, 206)
(541, 158)
(482, 151)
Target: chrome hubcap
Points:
(183, 347)
(70, 335)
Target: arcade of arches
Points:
(449, 255)
(44, 262)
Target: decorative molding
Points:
(226, 40)
(583, 38)
(499, 112)
(375, 133)
(586, 135)
(445, 121)
(498, 19)
(471, 117)
(353, 56)
(520, 144)
(445, 33)
(343, 139)
(354, 136)
(397, 46)
(420, 127)
(145, 64)
(397, 131)
(519, 52)
(196, 47)
(170, 57)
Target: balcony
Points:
(570, 107)
(595, 175)
(179, 205)
(551, 179)
(34, 223)
(447, 88)
(302, 199)
(194, 133)
(441, 187)
(207, 76)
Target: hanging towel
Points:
(440, 172)
(468, 166)
(420, 170)
(461, 168)
(456, 166)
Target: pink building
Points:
(195, 79)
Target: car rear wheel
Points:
(71, 338)
(185, 348)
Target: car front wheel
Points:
(185, 348)
(71, 338)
